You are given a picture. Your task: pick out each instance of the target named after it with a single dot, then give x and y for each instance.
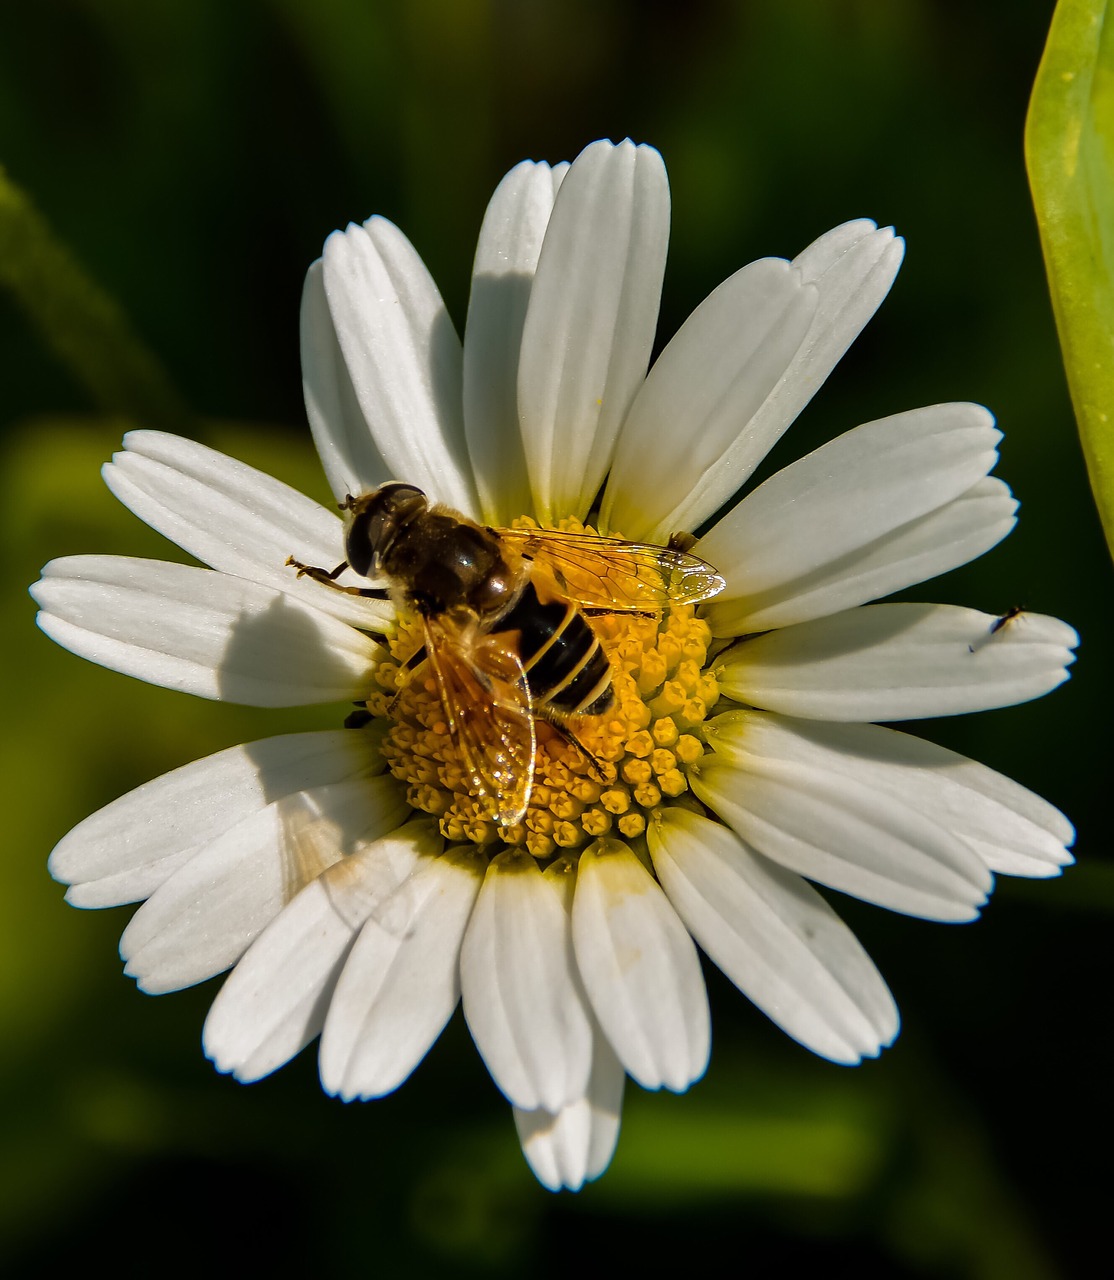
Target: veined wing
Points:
(608, 573)
(487, 705)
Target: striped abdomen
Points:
(566, 668)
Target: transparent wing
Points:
(487, 705)
(608, 573)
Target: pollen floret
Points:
(629, 761)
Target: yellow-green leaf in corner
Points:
(79, 321)
(1069, 150)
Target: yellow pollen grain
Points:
(671, 699)
(665, 732)
(565, 806)
(636, 772)
(429, 799)
(540, 822)
(453, 776)
(483, 832)
(673, 783)
(616, 800)
(637, 715)
(453, 828)
(620, 767)
(386, 675)
(378, 704)
(651, 674)
(539, 846)
(670, 649)
(629, 652)
(692, 712)
(596, 822)
(556, 771)
(586, 790)
(568, 835)
(632, 824)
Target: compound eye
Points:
(402, 493)
(361, 543)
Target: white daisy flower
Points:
(352, 881)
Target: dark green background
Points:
(193, 156)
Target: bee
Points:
(504, 616)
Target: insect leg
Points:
(327, 578)
(417, 657)
(414, 661)
(603, 771)
(627, 613)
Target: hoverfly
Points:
(503, 620)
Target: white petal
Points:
(209, 912)
(852, 490)
(237, 520)
(590, 320)
(522, 1000)
(202, 632)
(568, 1147)
(840, 832)
(400, 984)
(852, 267)
(126, 850)
(130, 885)
(640, 969)
(924, 548)
(274, 1002)
(689, 421)
(849, 493)
(1012, 830)
(574, 1145)
(403, 357)
(349, 456)
(502, 277)
(899, 662)
(774, 937)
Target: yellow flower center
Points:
(640, 751)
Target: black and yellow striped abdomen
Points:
(566, 668)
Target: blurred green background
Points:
(192, 156)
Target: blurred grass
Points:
(84, 327)
(190, 158)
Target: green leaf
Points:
(1069, 150)
(78, 320)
